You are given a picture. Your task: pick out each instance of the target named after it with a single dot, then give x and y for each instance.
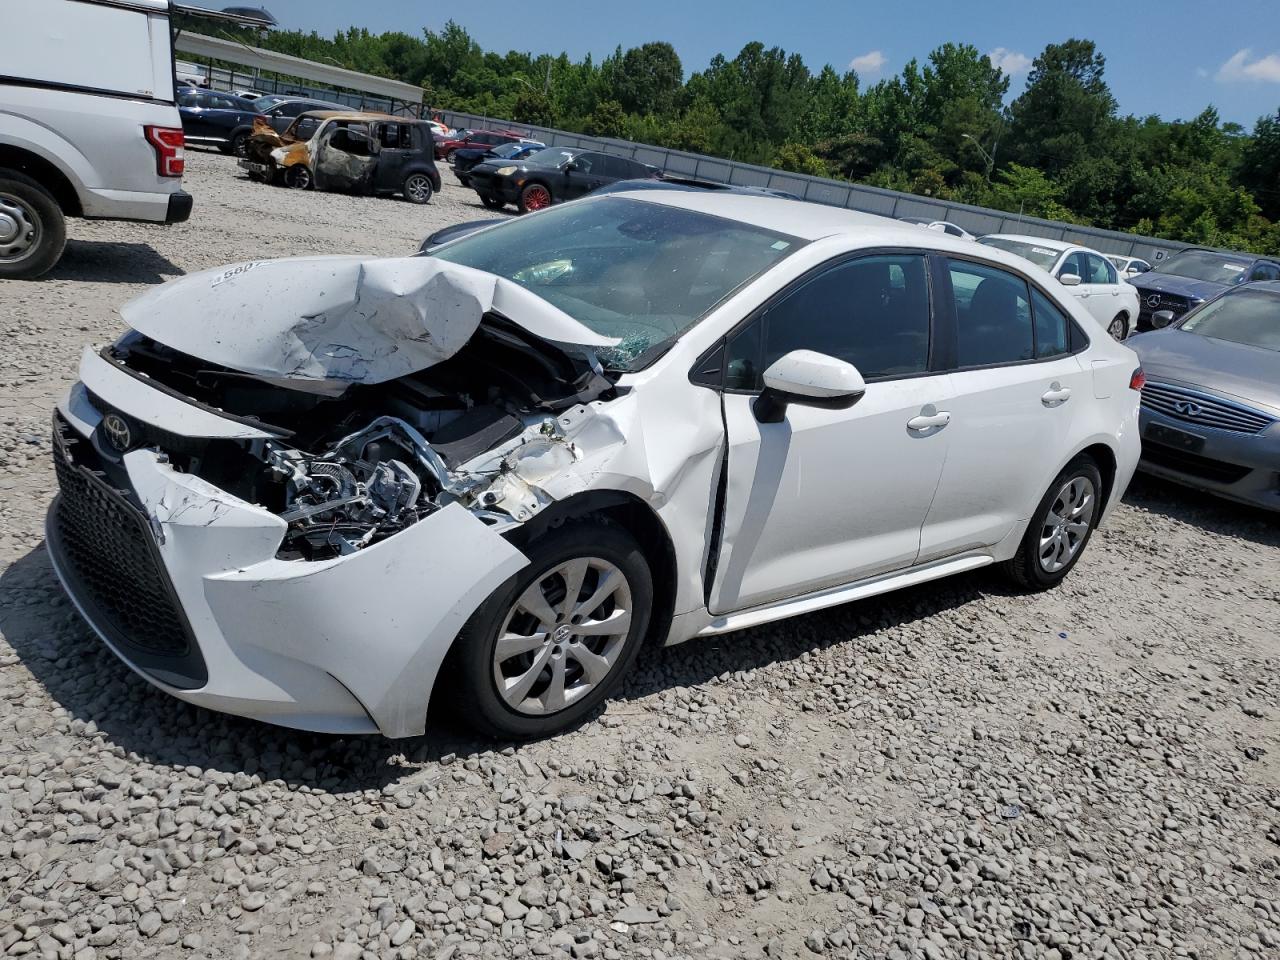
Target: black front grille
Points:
(1192, 464)
(107, 549)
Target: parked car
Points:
(1211, 406)
(1128, 267)
(550, 176)
(946, 226)
(190, 74)
(349, 152)
(466, 158)
(313, 491)
(216, 119)
(1090, 275)
(1190, 277)
(468, 139)
(282, 111)
(83, 134)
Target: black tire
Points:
(491, 202)
(531, 197)
(417, 188)
(34, 231)
(238, 145)
(1119, 327)
(471, 661)
(299, 177)
(1026, 569)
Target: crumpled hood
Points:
(1152, 282)
(344, 319)
(1250, 374)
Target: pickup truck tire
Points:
(33, 232)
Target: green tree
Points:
(607, 120)
(1260, 165)
(1066, 111)
(799, 158)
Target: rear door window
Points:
(993, 315)
(1053, 328)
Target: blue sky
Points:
(1170, 57)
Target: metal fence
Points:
(837, 193)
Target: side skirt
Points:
(701, 623)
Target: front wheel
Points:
(32, 229)
(299, 177)
(1119, 328)
(534, 197)
(1060, 527)
(239, 144)
(491, 202)
(552, 642)
(417, 188)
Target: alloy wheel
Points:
(1119, 327)
(19, 229)
(1066, 525)
(537, 198)
(417, 188)
(562, 636)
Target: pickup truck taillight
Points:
(170, 156)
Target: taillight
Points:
(1137, 380)
(171, 158)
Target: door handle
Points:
(1056, 396)
(929, 421)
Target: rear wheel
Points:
(33, 232)
(1060, 527)
(1119, 328)
(491, 202)
(552, 642)
(534, 197)
(417, 188)
(239, 144)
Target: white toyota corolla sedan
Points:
(321, 491)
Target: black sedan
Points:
(216, 119)
(551, 176)
(466, 158)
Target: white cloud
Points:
(1238, 68)
(1010, 61)
(871, 62)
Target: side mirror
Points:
(1161, 318)
(1069, 279)
(808, 378)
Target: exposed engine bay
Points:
(350, 464)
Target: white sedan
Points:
(322, 491)
(1128, 266)
(1093, 279)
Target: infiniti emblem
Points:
(1187, 408)
(1153, 300)
(117, 432)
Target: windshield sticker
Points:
(1233, 267)
(1044, 251)
(780, 245)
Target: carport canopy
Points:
(281, 63)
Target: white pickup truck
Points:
(88, 123)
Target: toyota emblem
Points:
(1187, 408)
(1153, 301)
(117, 432)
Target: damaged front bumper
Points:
(183, 582)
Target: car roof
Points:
(1058, 245)
(811, 221)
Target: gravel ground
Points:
(953, 771)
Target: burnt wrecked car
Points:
(321, 491)
(346, 152)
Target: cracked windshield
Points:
(639, 272)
